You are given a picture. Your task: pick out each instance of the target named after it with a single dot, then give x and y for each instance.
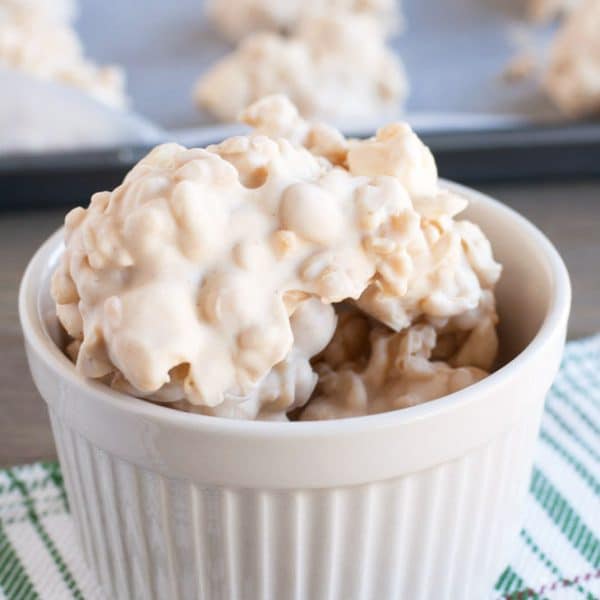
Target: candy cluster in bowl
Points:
(284, 270)
(330, 297)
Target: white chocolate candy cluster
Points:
(210, 279)
(36, 38)
(370, 369)
(573, 76)
(235, 19)
(334, 67)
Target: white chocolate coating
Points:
(235, 19)
(573, 76)
(333, 67)
(42, 46)
(207, 278)
(380, 370)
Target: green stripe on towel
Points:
(14, 580)
(61, 565)
(565, 517)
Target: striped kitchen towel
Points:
(556, 555)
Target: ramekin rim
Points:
(36, 335)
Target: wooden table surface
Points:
(568, 213)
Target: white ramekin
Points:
(415, 504)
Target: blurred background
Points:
(494, 87)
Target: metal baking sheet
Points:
(454, 53)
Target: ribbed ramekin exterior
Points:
(436, 534)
